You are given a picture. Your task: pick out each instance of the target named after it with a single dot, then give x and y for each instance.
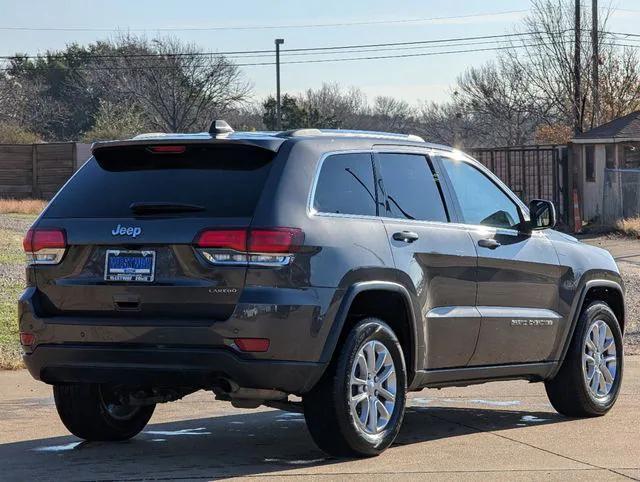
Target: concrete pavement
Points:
(503, 430)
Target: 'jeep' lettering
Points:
(133, 231)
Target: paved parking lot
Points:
(503, 430)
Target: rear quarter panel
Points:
(338, 251)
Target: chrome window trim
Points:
(311, 211)
(455, 155)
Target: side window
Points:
(346, 185)
(412, 192)
(481, 201)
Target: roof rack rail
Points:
(150, 135)
(348, 133)
(306, 132)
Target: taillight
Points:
(260, 246)
(44, 246)
(235, 239)
(275, 240)
(167, 149)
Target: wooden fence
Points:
(37, 170)
(621, 196)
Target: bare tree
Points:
(175, 88)
(390, 114)
(527, 94)
(115, 121)
(545, 56)
(26, 103)
(497, 97)
(331, 107)
(246, 117)
(446, 123)
(619, 85)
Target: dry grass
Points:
(629, 227)
(21, 206)
(10, 357)
(12, 282)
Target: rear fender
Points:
(338, 326)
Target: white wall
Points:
(592, 192)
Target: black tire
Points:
(83, 410)
(327, 408)
(568, 391)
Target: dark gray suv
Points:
(340, 268)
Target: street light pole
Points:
(279, 41)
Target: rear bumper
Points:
(129, 350)
(170, 367)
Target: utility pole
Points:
(595, 61)
(577, 88)
(279, 41)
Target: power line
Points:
(423, 54)
(377, 49)
(260, 27)
(312, 61)
(500, 40)
(455, 39)
(283, 51)
(624, 34)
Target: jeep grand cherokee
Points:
(343, 267)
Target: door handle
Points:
(488, 243)
(405, 236)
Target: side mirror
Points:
(543, 214)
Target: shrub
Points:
(630, 227)
(13, 134)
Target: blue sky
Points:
(413, 79)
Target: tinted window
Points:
(412, 192)
(225, 181)
(481, 201)
(346, 185)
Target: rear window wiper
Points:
(164, 207)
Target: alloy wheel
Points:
(599, 359)
(372, 388)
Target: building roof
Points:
(626, 127)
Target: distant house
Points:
(608, 170)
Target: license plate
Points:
(127, 265)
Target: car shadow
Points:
(255, 443)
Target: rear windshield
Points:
(226, 181)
